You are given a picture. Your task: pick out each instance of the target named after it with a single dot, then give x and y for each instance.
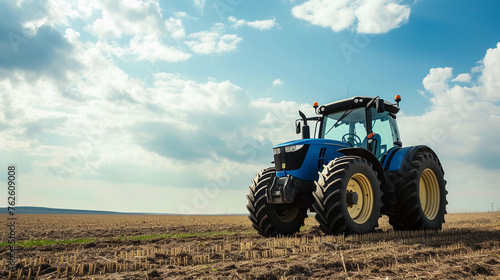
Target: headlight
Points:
(293, 148)
(276, 151)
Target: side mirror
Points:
(297, 127)
(306, 134)
(380, 105)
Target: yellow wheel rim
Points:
(429, 194)
(360, 211)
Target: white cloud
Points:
(372, 17)
(491, 72)
(80, 193)
(142, 24)
(471, 188)
(200, 4)
(237, 22)
(105, 28)
(258, 24)
(175, 28)
(381, 16)
(262, 24)
(53, 12)
(128, 17)
(463, 122)
(181, 14)
(184, 15)
(437, 79)
(464, 78)
(213, 41)
(277, 82)
(162, 133)
(152, 49)
(136, 30)
(462, 126)
(109, 128)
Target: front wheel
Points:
(272, 219)
(348, 197)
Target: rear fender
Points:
(399, 161)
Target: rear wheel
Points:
(348, 197)
(272, 219)
(421, 195)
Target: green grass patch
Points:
(34, 243)
(302, 228)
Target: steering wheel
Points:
(357, 140)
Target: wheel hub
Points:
(352, 198)
(359, 198)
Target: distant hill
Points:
(46, 210)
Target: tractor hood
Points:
(314, 141)
(303, 158)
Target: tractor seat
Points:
(376, 144)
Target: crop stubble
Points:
(226, 247)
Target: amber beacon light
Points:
(397, 99)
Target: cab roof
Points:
(352, 103)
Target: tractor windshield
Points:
(348, 126)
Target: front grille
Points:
(292, 160)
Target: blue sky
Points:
(173, 106)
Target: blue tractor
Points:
(352, 170)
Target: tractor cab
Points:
(363, 127)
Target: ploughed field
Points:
(226, 247)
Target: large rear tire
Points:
(348, 197)
(421, 195)
(272, 219)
